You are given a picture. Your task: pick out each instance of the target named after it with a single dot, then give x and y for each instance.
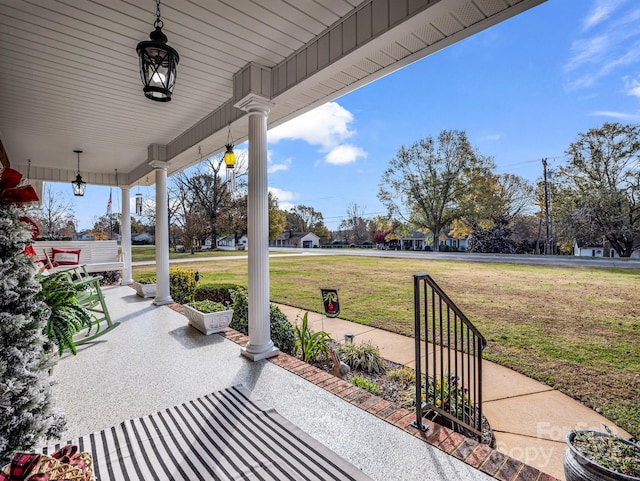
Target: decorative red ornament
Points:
(11, 193)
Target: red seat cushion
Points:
(66, 257)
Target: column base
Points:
(258, 356)
(163, 301)
(127, 282)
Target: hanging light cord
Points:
(229, 135)
(158, 22)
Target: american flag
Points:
(109, 204)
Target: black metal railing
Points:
(450, 387)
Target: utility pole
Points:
(549, 245)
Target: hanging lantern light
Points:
(158, 63)
(78, 185)
(230, 161)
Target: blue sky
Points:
(521, 90)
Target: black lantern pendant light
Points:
(78, 185)
(158, 63)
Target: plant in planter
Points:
(145, 286)
(207, 316)
(592, 455)
(67, 317)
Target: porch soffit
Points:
(56, 94)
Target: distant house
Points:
(84, 236)
(601, 249)
(418, 241)
(229, 243)
(588, 249)
(305, 240)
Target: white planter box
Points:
(208, 323)
(145, 290)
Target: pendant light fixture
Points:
(158, 63)
(78, 185)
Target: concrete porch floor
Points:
(154, 360)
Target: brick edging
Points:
(480, 456)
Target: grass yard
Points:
(574, 328)
(144, 253)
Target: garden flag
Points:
(330, 302)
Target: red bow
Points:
(10, 193)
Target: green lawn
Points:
(574, 328)
(144, 253)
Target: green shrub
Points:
(311, 346)
(405, 376)
(207, 306)
(240, 320)
(216, 292)
(281, 329)
(363, 383)
(149, 278)
(182, 285)
(364, 356)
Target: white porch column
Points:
(163, 295)
(260, 345)
(125, 230)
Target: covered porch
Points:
(154, 360)
(70, 82)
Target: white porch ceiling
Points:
(69, 71)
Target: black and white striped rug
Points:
(221, 436)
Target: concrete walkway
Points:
(529, 419)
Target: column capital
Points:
(159, 164)
(255, 103)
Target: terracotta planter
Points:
(144, 290)
(208, 323)
(578, 467)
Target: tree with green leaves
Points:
(601, 185)
(425, 182)
(277, 218)
(490, 208)
(304, 218)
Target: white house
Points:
(418, 241)
(305, 240)
(229, 243)
(593, 249)
(587, 250)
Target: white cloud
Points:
(285, 198)
(632, 87)
(326, 127)
(345, 154)
(611, 41)
(491, 137)
(600, 12)
(273, 166)
(615, 115)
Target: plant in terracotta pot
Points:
(145, 286)
(592, 455)
(208, 316)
